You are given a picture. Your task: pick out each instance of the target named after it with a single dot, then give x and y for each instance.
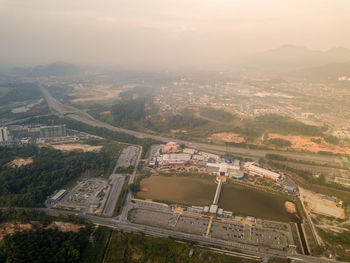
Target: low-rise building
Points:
(176, 158)
(259, 171)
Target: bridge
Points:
(217, 193)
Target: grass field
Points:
(239, 199)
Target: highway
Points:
(122, 222)
(82, 116)
(202, 240)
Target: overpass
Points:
(217, 193)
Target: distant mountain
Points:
(58, 69)
(325, 72)
(289, 57)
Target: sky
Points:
(164, 33)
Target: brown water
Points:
(243, 200)
(184, 190)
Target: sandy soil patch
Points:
(305, 143)
(64, 226)
(96, 93)
(226, 137)
(290, 207)
(315, 204)
(74, 147)
(10, 228)
(20, 162)
(178, 131)
(105, 113)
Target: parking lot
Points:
(127, 157)
(168, 220)
(267, 234)
(248, 234)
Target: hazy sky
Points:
(164, 33)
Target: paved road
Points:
(123, 224)
(208, 241)
(117, 182)
(84, 117)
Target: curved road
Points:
(84, 117)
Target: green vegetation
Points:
(337, 243)
(278, 260)
(141, 114)
(121, 199)
(282, 158)
(28, 215)
(19, 92)
(44, 245)
(95, 251)
(316, 140)
(14, 95)
(135, 248)
(126, 113)
(306, 180)
(279, 124)
(31, 184)
(124, 170)
(279, 142)
(330, 139)
(217, 115)
(61, 92)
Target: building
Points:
(223, 169)
(3, 134)
(237, 174)
(59, 195)
(213, 209)
(256, 170)
(331, 199)
(171, 147)
(189, 151)
(176, 159)
(53, 131)
(290, 189)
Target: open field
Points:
(185, 190)
(97, 93)
(314, 203)
(343, 181)
(248, 201)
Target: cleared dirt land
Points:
(75, 147)
(306, 144)
(184, 190)
(20, 162)
(243, 200)
(226, 137)
(316, 204)
(10, 228)
(96, 93)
